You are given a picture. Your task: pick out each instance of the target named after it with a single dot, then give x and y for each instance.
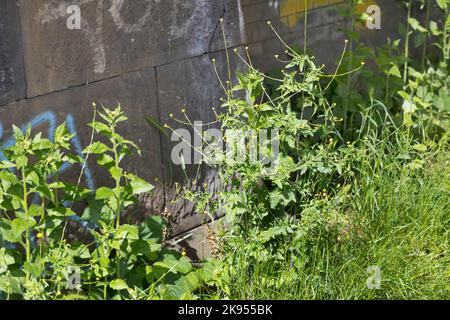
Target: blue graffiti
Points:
(50, 118)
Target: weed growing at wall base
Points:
(115, 260)
(356, 206)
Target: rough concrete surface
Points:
(116, 36)
(12, 84)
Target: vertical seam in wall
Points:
(158, 112)
(22, 49)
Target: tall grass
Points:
(397, 219)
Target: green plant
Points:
(394, 68)
(426, 93)
(118, 261)
(265, 200)
(343, 192)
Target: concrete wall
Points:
(152, 56)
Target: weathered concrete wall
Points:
(324, 28)
(12, 84)
(152, 56)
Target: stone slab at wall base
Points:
(200, 243)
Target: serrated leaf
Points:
(395, 71)
(10, 285)
(118, 285)
(97, 148)
(141, 186)
(415, 24)
(104, 193)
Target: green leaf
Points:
(434, 28)
(409, 107)
(128, 231)
(148, 248)
(420, 147)
(35, 210)
(404, 95)
(97, 148)
(394, 71)
(118, 285)
(75, 297)
(151, 228)
(416, 25)
(6, 259)
(116, 173)
(141, 186)
(184, 266)
(442, 4)
(187, 284)
(13, 231)
(155, 123)
(101, 128)
(61, 212)
(6, 165)
(18, 134)
(21, 162)
(105, 160)
(104, 193)
(10, 285)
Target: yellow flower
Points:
(40, 235)
(183, 252)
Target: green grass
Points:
(396, 217)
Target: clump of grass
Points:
(397, 219)
(354, 204)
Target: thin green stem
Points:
(350, 66)
(117, 179)
(25, 209)
(406, 53)
(427, 22)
